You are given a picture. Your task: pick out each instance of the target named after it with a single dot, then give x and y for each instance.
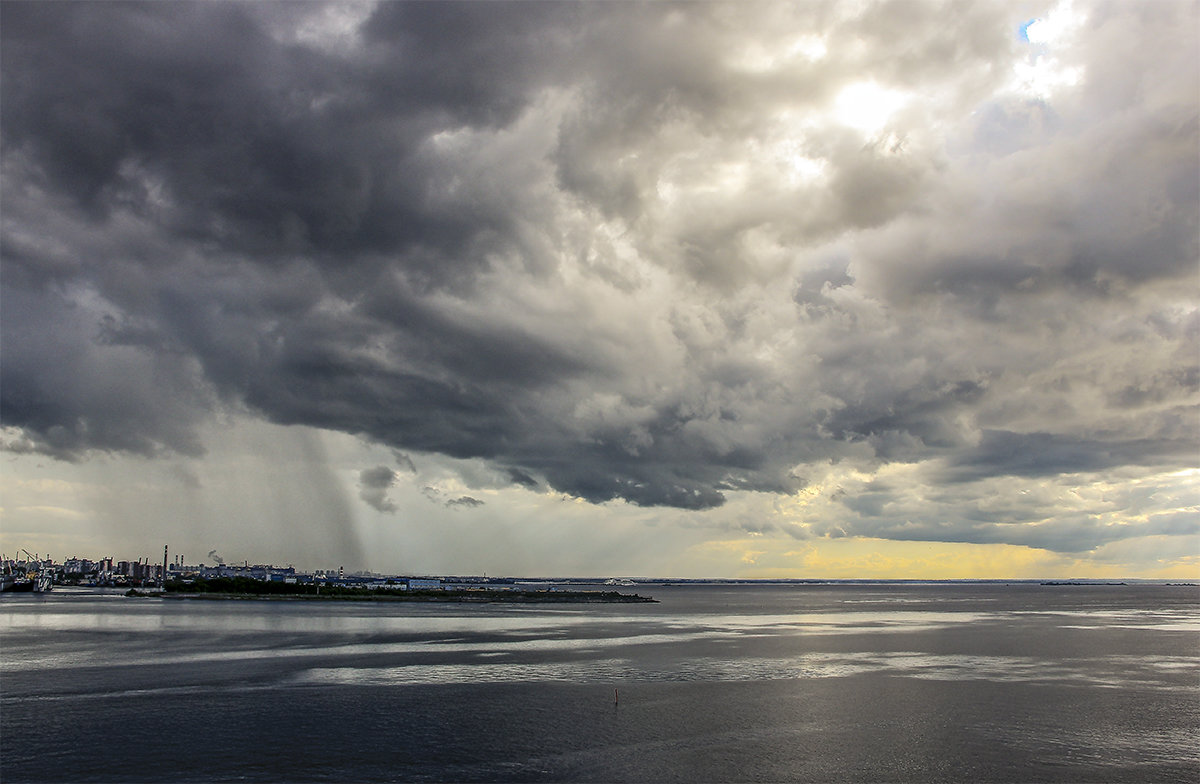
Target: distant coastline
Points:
(277, 592)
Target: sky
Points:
(753, 289)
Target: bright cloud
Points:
(866, 106)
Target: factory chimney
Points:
(162, 577)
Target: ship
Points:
(33, 580)
(35, 583)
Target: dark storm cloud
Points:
(626, 251)
(257, 146)
(519, 477)
(1047, 454)
(476, 63)
(71, 389)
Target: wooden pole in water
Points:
(616, 698)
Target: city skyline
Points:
(764, 289)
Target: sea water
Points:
(834, 682)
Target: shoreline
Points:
(450, 597)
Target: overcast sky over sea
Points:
(754, 289)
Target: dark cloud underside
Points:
(627, 251)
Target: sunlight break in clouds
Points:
(866, 106)
(1043, 72)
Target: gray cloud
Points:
(519, 477)
(626, 252)
(404, 462)
(373, 484)
(1070, 533)
(1046, 454)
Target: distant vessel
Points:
(615, 581)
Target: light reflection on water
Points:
(439, 644)
(359, 649)
(434, 635)
(1162, 620)
(1108, 672)
(241, 627)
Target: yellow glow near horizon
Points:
(863, 558)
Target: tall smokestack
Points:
(162, 578)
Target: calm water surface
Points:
(715, 683)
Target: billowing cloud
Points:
(655, 253)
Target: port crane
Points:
(35, 579)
